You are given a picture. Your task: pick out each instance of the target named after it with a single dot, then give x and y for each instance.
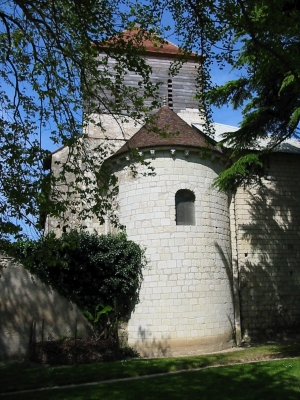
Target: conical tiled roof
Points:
(167, 121)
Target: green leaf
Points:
(242, 172)
(295, 117)
(287, 81)
(88, 315)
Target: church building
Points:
(221, 267)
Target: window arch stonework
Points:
(185, 207)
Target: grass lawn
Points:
(265, 380)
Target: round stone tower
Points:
(186, 299)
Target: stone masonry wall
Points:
(186, 297)
(27, 306)
(267, 220)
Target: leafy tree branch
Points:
(54, 79)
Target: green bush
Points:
(88, 269)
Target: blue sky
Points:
(224, 115)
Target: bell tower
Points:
(177, 90)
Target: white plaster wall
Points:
(186, 298)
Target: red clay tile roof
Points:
(169, 122)
(150, 43)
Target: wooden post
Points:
(30, 340)
(43, 322)
(75, 342)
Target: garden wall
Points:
(29, 310)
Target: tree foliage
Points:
(88, 269)
(260, 40)
(49, 73)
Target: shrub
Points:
(88, 269)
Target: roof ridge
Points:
(163, 48)
(178, 133)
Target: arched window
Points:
(185, 207)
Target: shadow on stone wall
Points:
(226, 261)
(147, 346)
(269, 259)
(28, 307)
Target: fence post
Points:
(75, 342)
(43, 321)
(30, 340)
(31, 335)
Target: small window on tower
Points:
(117, 89)
(117, 97)
(170, 94)
(185, 207)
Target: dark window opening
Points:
(185, 207)
(170, 94)
(118, 89)
(117, 95)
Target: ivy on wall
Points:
(88, 269)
